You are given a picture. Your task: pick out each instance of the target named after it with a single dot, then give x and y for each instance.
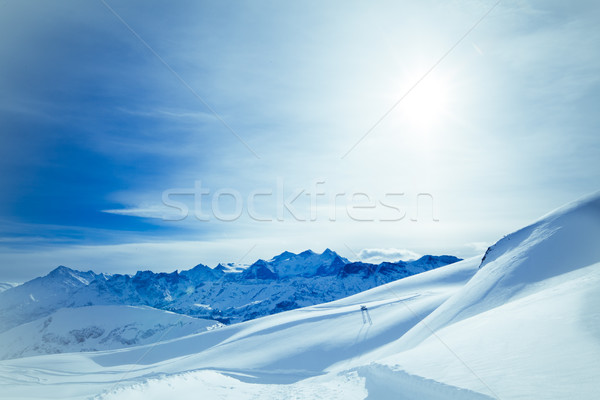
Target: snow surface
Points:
(7, 285)
(522, 324)
(96, 328)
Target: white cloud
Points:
(380, 255)
(477, 247)
(170, 113)
(152, 211)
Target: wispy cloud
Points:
(151, 211)
(176, 114)
(380, 255)
(477, 247)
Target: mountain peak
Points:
(259, 270)
(307, 253)
(72, 276)
(283, 256)
(220, 267)
(202, 267)
(204, 273)
(60, 270)
(305, 264)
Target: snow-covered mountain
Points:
(523, 323)
(225, 293)
(97, 328)
(7, 285)
(41, 296)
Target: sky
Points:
(159, 135)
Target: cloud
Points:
(380, 255)
(171, 113)
(477, 247)
(152, 211)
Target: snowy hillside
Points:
(524, 323)
(6, 285)
(228, 294)
(283, 348)
(97, 328)
(532, 312)
(41, 296)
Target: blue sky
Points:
(96, 127)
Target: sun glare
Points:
(425, 106)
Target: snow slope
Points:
(532, 311)
(97, 328)
(41, 296)
(7, 285)
(522, 324)
(544, 345)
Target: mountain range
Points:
(226, 293)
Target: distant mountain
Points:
(306, 264)
(7, 285)
(41, 296)
(226, 293)
(97, 328)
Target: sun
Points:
(426, 105)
